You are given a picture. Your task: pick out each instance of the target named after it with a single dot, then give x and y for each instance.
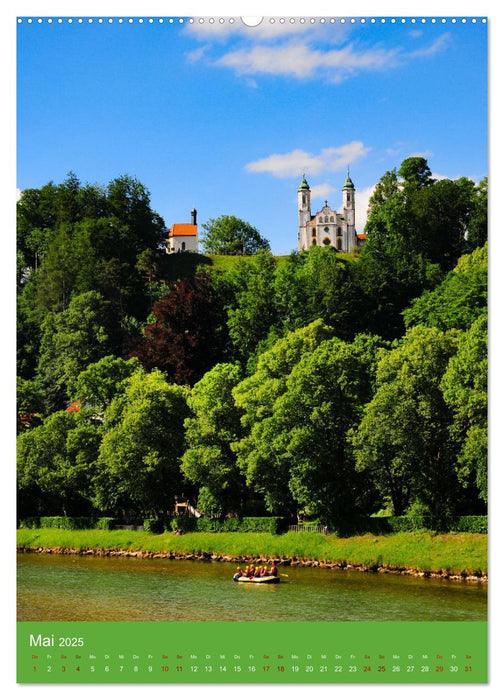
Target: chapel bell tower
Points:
(349, 205)
(304, 202)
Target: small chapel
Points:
(327, 226)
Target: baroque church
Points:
(327, 227)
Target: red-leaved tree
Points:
(185, 340)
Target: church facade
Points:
(327, 227)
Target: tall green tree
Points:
(416, 172)
(30, 403)
(458, 300)
(214, 425)
(465, 390)
(102, 381)
(477, 228)
(71, 340)
(386, 187)
(141, 450)
(261, 452)
(419, 215)
(319, 283)
(324, 397)
(404, 439)
(253, 312)
(55, 466)
(228, 235)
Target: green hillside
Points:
(181, 265)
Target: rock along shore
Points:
(244, 559)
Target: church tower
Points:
(327, 227)
(349, 208)
(304, 202)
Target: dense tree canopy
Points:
(71, 340)
(139, 458)
(56, 464)
(424, 216)
(324, 384)
(211, 430)
(261, 452)
(458, 300)
(465, 390)
(184, 339)
(229, 235)
(404, 437)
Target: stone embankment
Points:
(243, 559)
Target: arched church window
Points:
(304, 199)
(348, 198)
(183, 246)
(314, 232)
(332, 218)
(327, 220)
(326, 241)
(339, 244)
(339, 230)
(326, 229)
(321, 219)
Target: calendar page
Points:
(251, 349)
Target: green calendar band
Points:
(252, 652)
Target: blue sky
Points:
(225, 118)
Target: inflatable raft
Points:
(253, 579)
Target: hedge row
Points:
(413, 523)
(272, 525)
(68, 523)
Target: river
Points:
(72, 588)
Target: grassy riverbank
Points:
(457, 553)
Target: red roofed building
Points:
(361, 239)
(183, 238)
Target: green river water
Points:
(66, 588)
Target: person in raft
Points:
(239, 573)
(273, 570)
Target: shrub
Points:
(184, 523)
(411, 523)
(69, 523)
(105, 523)
(154, 525)
(473, 523)
(66, 523)
(273, 525)
(31, 522)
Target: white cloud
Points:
(322, 191)
(438, 45)
(421, 154)
(197, 54)
(301, 61)
(286, 164)
(288, 49)
(299, 161)
(271, 28)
